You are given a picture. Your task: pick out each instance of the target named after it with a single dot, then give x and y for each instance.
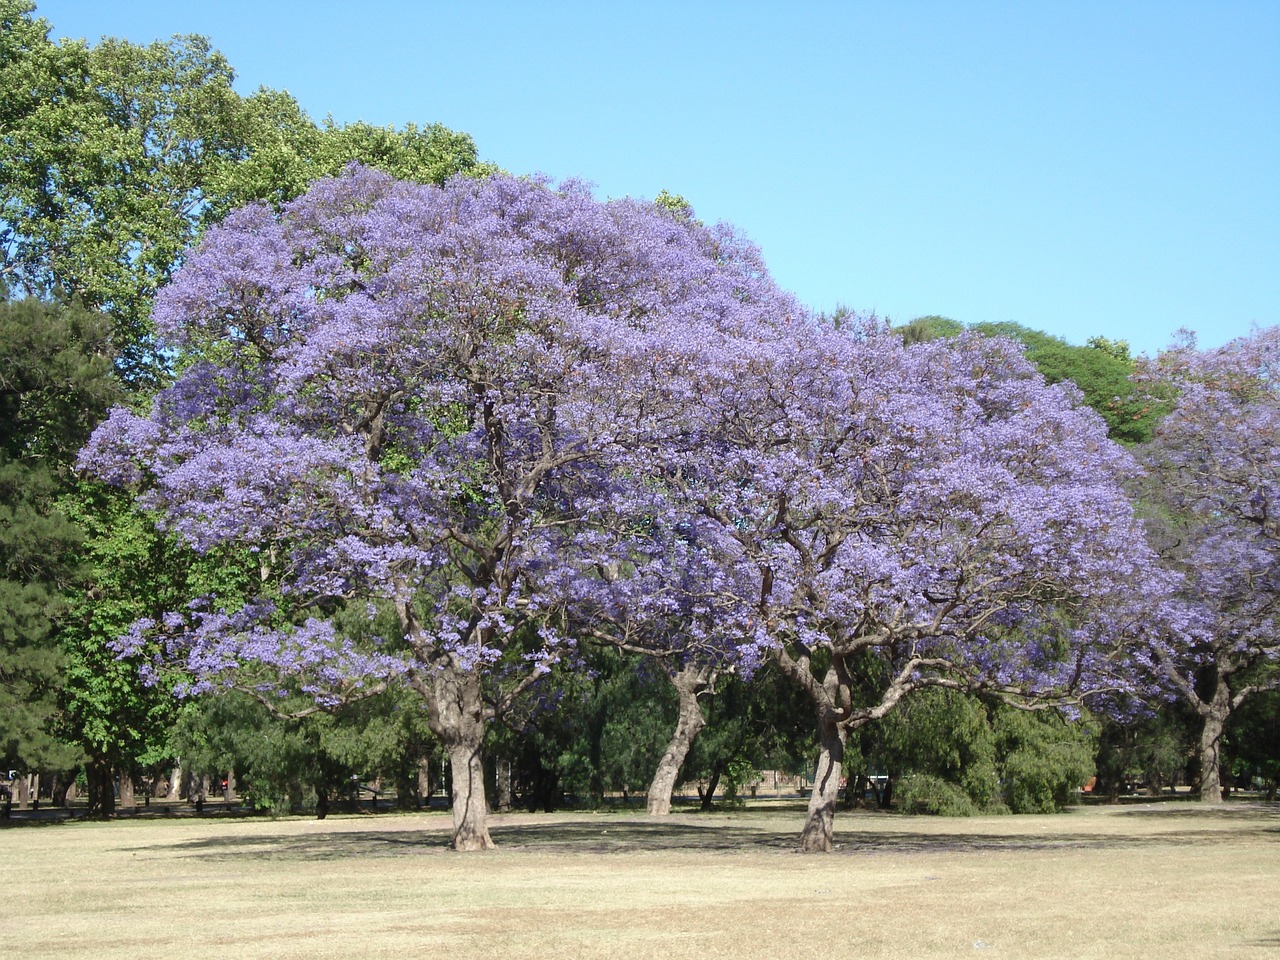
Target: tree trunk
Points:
(175, 785)
(23, 783)
(200, 793)
(855, 791)
(502, 778)
(424, 781)
(127, 799)
(820, 820)
(712, 785)
(470, 809)
(456, 712)
(689, 681)
(102, 793)
(1214, 714)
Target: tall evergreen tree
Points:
(55, 383)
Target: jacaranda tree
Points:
(935, 514)
(443, 400)
(1215, 470)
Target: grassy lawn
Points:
(1160, 880)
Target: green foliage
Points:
(1043, 758)
(1101, 370)
(953, 753)
(1152, 750)
(1253, 734)
(929, 794)
(765, 722)
(607, 731)
(132, 572)
(680, 208)
(282, 151)
(924, 329)
(1115, 348)
(102, 164)
(939, 733)
(114, 157)
(55, 381)
(282, 764)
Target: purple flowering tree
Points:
(442, 400)
(935, 515)
(1215, 473)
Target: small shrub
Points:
(925, 793)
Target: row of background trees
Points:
(115, 159)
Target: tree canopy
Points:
(1101, 369)
(1215, 469)
(55, 383)
(115, 156)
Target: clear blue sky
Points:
(1081, 167)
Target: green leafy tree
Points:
(763, 722)
(942, 735)
(55, 382)
(102, 166)
(308, 761)
(1101, 370)
(1152, 749)
(1253, 735)
(594, 730)
(115, 156)
(1043, 758)
(133, 571)
(283, 151)
(952, 753)
(924, 329)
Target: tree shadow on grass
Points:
(1187, 810)
(616, 836)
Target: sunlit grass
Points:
(1141, 881)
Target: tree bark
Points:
(102, 793)
(424, 781)
(470, 809)
(127, 799)
(175, 785)
(712, 786)
(820, 820)
(456, 713)
(502, 781)
(23, 784)
(689, 681)
(1214, 713)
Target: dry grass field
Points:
(1160, 880)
